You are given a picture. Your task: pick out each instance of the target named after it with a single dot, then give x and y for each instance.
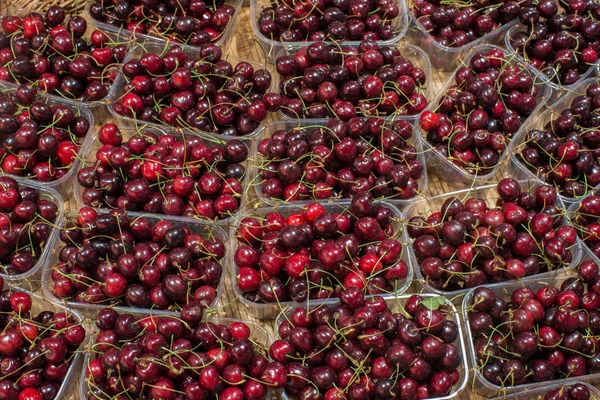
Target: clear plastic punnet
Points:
(265, 311)
(397, 305)
(516, 167)
(537, 392)
(443, 57)
(487, 389)
(273, 47)
(417, 56)
(489, 195)
(88, 158)
(439, 164)
(206, 230)
(255, 180)
(159, 48)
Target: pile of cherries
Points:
(586, 219)
(322, 81)
(474, 119)
(194, 22)
(334, 20)
(538, 334)
(468, 244)
(565, 153)
(171, 358)
(360, 349)
(111, 258)
(53, 53)
(39, 140)
(204, 93)
(457, 24)
(36, 352)
(341, 159)
(26, 221)
(576, 392)
(315, 254)
(562, 44)
(163, 174)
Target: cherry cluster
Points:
(577, 391)
(26, 221)
(194, 22)
(361, 349)
(538, 334)
(586, 219)
(322, 81)
(36, 352)
(164, 174)
(111, 258)
(53, 53)
(316, 254)
(341, 159)
(172, 358)
(468, 244)
(457, 24)
(474, 119)
(204, 93)
(334, 20)
(565, 153)
(563, 45)
(39, 140)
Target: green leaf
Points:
(433, 303)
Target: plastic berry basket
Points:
(489, 195)
(516, 167)
(64, 184)
(139, 37)
(88, 156)
(273, 47)
(267, 311)
(443, 57)
(439, 164)
(158, 48)
(482, 385)
(538, 393)
(196, 227)
(32, 276)
(96, 107)
(585, 249)
(397, 305)
(258, 335)
(417, 56)
(41, 304)
(271, 128)
(558, 90)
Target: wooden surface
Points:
(244, 46)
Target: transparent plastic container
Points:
(273, 47)
(482, 385)
(418, 57)
(439, 164)
(516, 168)
(97, 107)
(490, 195)
(258, 335)
(205, 230)
(32, 276)
(88, 157)
(558, 90)
(139, 37)
(265, 311)
(443, 57)
(159, 48)
(586, 251)
(397, 305)
(40, 304)
(537, 392)
(64, 184)
(267, 133)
